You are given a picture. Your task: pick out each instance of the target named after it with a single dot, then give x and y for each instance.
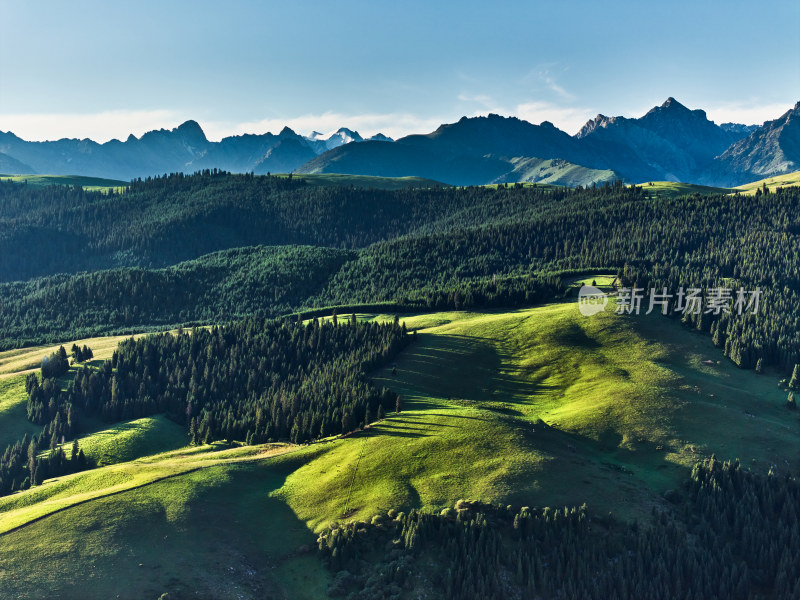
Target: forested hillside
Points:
(241, 261)
(254, 380)
(733, 535)
(424, 248)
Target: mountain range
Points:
(670, 142)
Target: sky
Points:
(107, 69)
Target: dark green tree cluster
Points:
(255, 381)
(80, 355)
(27, 463)
(166, 220)
(733, 535)
(55, 364)
(221, 287)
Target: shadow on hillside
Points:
(464, 368)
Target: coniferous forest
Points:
(425, 248)
(731, 535)
(244, 267)
(256, 381)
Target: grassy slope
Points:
(671, 188)
(790, 179)
(124, 442)
(26, 360)
(367, 181)
(629, 400)
(557, 171)
(87, 183)
(195, 522)
(14, 423)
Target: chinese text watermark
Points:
(634, 300)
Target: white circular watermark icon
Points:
(591, 300)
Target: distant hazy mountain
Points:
(479, 150)
(772, 149)
(472, 151)
(669, 142)
(738, 129)
(11, 166)
(399, 159)
(286, 156)
(155, 152)
(183, 149)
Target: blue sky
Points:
(105, 69)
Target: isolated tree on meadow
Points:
(790, 401)
(760, 366)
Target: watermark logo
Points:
(591, 300)
(694, 301)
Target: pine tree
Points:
(790, 401)
(760, 366)
(75, 451)
(794, 382)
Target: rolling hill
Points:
(539, 406)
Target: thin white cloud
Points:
(749, 113)
(541, 79)
(566, 118)
(394, 125)
(481, 99)
(554, 87)
(118, 124)
(99, 127)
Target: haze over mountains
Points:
(670, 142)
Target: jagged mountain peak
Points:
(673, 109)
(672, 103)
(190, 126)
(772, 149)
(600, 120)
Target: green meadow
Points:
(540, 407)
(88, 183)
(672, 189)
(365, 181)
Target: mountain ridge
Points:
(670, 142)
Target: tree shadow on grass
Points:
(467, 368)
